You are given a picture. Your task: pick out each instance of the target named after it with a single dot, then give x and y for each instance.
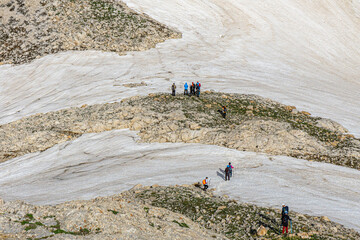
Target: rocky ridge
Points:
(238, 220)
(253, 124)
(116, 217)
(33, 28)
(176, 212)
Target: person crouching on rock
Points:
(285, 222)
(173, 88)
(206, 183)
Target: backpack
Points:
(204, 181)
(285, 209)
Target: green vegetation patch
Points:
(234, 220)
(181, 224)
(113, 211)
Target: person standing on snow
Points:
(186, 89)
(206, 183)
(173, 88)
(227, 173)
(285, 222)
(230, 169)
(192, 89)
(198, 85)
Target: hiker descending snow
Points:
(230, 169)
(285, 222)
(186, 89)
(173, 88)
(206, 183)
(227, 173)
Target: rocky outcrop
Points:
(33, 28)
(253, 124)
(238, 220)
(117, 217)
(178, 212)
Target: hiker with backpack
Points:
(206, 183)
(198, 85)
(285, 222)
(223, 111)
(186, 89)
(230, 169)
(173, 88)
(284, 209)
(192, 89)
(227, 173)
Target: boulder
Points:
(325, 219)
(261, 231)
(221, 208)
(331, 125)
(303, 235)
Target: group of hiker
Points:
(194, 89)
(285, 219)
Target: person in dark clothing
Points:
(230, 168)
(192, 89)
(223, 111)
(173, 88)
(285, 222)
(227, 174)
(197, 90)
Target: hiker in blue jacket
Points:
(186, 89)
(197, 88)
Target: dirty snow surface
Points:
(302, 53)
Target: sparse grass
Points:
(184, 225)
(30, 226)
(113, 211)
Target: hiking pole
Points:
(291, 226)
